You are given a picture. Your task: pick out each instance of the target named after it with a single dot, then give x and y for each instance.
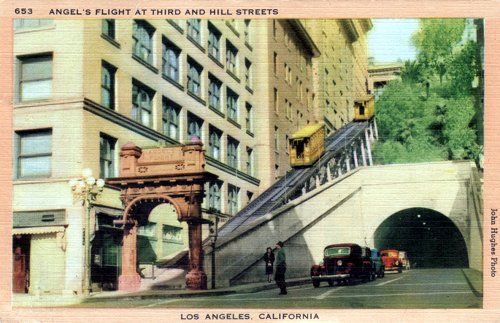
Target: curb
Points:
(189, 294)
(471, 285)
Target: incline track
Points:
(278, 193)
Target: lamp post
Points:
(86, 189)
(213, 229)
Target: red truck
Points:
(391, 260)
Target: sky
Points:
(389, 40)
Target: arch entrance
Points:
(150, 177)
(430, 238)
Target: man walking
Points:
(280, 268)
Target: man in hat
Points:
(280, 268)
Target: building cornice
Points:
(304, 37)
(350, 29)
(367, 24)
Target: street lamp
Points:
(213, 229)
(86, 189)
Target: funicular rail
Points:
(298, 181)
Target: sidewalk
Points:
(26, 300)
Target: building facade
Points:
(84, 88)
(340, 72)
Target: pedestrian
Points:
(280, 268)
(269, 259)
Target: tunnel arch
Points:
(430, 238)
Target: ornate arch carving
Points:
(150, 177)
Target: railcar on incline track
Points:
(307, 145)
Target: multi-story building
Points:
(84, 88)
(340, 71)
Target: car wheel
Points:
(316, 283)
(400, 270)
(330, 283)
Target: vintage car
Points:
(343, 263)
(390, 258)
(404, 260)
(378, 265)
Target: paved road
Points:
(422, 288)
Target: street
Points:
(420, 288)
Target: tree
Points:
(463, 68)
(435, 41)
(411, 72)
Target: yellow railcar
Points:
(364, 108)
(307, 145)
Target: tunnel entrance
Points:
(430, 239)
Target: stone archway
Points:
(150, 177)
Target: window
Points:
(249, 196)
(275, 63)
(247, 31)
(195, 125)
(276, 138)
(194, 77)
(108, 28)
(288, 74)
(193, 29)
(172, 234)
(232, 105)
(35, 81)
(107, 156)
(148, 230)
(289, 113)
(34, 154)
(214, 42)
(231, 58)
(170, 60)
(308, 99)
(111, 252)
(143, 41)
(276, 101)
(300, 89)
(249, 161)
(214, 88)
(31, 23)
(232, 152)
(214, 195)
(248, 73)
(249, 117)
(142, 103)
(214, 142)
(171, 112)
(233, 199)
(108, 72)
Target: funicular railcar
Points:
(364, 108)
(307, 145)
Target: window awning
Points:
(38, 230)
